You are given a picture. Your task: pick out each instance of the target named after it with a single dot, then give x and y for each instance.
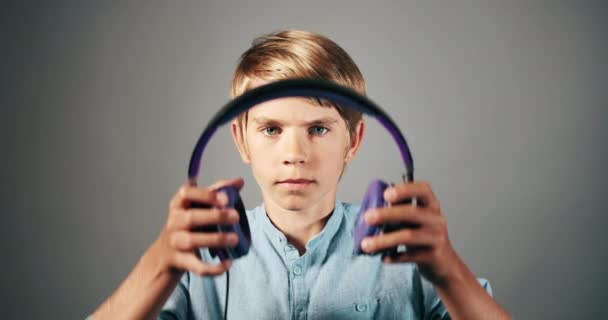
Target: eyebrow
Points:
(269, 121)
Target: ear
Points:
(355, 141)
(239, 141)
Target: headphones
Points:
(301, 88)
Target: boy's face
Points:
(297, 151)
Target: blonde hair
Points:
(292, 54)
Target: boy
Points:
(300, 264)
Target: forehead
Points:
(289, 109)
(294, 110)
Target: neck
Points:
(299, 226)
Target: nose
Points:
(296, 148)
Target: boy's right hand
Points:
(178, 243)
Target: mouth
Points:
(296, 183)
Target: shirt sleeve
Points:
(433, 307)
(177, 306)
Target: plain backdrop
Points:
(504, 104)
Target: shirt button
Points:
(360, 307)
(297, 270)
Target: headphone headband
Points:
(300, 88)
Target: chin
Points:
(294, 203)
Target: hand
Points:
(178, 243)
(427, 244)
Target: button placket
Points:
(299, 287)
(291, 254)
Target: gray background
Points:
(503, 103)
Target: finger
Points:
(417, 256)
(187, 241)
(177, 198)
(222, 197)
(418, 189)
(193, 218)
(235, 182)
(188, 194)
(189, 262)
(402, 213)
(421, 190)
(416, 237)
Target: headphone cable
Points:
(227, 288)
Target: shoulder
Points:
(349, 210)
(252, 213)
(350, 213)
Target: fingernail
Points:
(233, 239)
(365, 244)
(233, 215)
(370, 216)
(389, 194)
(222, 198)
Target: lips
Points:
(297, 184)
(297, 181)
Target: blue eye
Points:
(318, 130)
(271, 131)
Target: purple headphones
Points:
(300, 88)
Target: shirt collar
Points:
(321, 240)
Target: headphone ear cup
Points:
(374, 198)
(241, 229)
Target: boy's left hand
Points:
(428, 244)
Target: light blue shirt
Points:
(327, 282)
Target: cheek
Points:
(331, 153)
(262, 157)
(254, 145)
